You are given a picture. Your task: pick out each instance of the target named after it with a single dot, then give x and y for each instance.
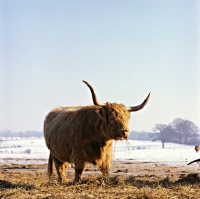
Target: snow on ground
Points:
(35, 150)
(141, 151)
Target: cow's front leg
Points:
(105, 165)
(79, 168)
(104, 170)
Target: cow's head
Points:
(115, 116)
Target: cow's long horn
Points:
(139, 107)
(197, 160)
(94, 97)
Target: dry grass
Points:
(30, 181)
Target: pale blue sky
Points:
(125, 49)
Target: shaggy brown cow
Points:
(85, 134)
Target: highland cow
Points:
(85, 134)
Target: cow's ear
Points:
(102, 114)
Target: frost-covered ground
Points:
(142, 151)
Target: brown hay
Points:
(34, 184)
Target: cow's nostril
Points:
(124, 133)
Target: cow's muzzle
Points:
(123, 134)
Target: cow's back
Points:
(69, 132)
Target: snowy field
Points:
(140, 151)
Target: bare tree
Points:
(164, 133)
(185, 129)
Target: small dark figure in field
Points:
(85, 134)
(196, 148)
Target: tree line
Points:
(178, 131)
(27, 134)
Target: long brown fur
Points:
(84, 134)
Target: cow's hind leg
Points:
(79, 168)
(61, 168)
(50, 166)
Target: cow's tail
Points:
(197, 160)
(50, 166)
